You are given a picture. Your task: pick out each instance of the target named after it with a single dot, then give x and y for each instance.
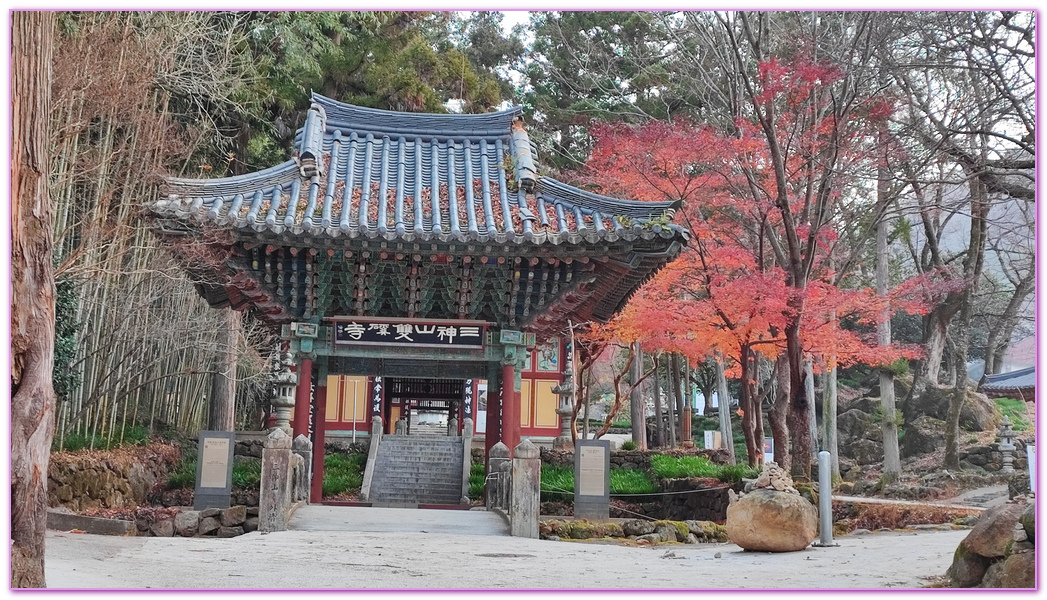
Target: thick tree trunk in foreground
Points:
(222, 416)
(32, 293)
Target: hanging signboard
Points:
(409, 332)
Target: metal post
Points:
(825, 498)
(354, 417)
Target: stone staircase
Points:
(412, 470)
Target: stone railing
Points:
(372, 456)
(467, 457)
(513, 486)
(285, 480)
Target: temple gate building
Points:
(416, 263)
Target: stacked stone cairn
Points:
(771, 516)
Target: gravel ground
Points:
(432, 550)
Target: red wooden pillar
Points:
(510, 409)
(302, 398)
(316, 486)
(493, 426)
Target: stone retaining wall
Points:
(119, 478)
(683, 499)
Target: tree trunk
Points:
(638, 410)
(222, 414)
(724, 407)
(936, 327)
(676, 378)
(670, 402)
(32, 284)
(779, 411)
(892, 465)
(797, 416)
(659, 414)
(808, 386)
(1000, 336)
(688, 404)
(749, 403)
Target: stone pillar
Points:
(303, 395)
(525, 491)
(510, 405)
(499, 464)
(452, 427)
(274, 499)
(372, 457)
(493, 433)
(316, 485)
(467, 457)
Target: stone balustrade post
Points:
(525, 494)
(467, 457)
(304, 448)
(274, 500)
(500, 465)
(372, 456)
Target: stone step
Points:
(413, 502)
(419, 460)
(408, 482)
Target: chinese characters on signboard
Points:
(392, 333)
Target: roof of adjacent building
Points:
(377, 174)
(1022, 378)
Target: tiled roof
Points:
(375, 174)
(1022, 378)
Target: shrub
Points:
(675, 467)
(343, 473)
(1016, 411)
(127, 436)
(629, 445)
(476, 480)
(184, 474)
(631, 481)
(247, 474)
(557, 483)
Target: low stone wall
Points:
(990, 457)
(210, 522)
(118, 478)
(681, 500)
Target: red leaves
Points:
(729, 290)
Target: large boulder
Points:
(923, 435)
(1017, 571)
(978, 413)
(967, 568)
(856, 424)
(1028, 522)
(771, 521)
(994, 530)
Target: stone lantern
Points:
(565, 410)
(284, 382)
(1006, 435)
